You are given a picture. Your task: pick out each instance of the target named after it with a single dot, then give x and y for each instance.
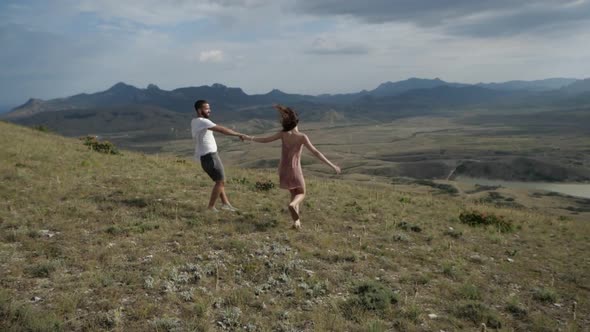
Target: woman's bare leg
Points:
(297, 196)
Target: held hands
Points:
(244, 138)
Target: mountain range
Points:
(143, 108)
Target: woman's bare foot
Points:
(297, 224)
(294, 212)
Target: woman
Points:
(290, 174)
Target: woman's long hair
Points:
(289, 118)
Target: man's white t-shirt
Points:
(203, 137)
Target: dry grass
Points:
(90, 241)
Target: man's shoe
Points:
(213, 209)
(228, 207)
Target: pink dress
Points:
(290, 173)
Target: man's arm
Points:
(225, 131)
(266, 139)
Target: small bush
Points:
(478, 313)
(242, 181)
(94, 144)
(376, 326)
(405, 200)
(401, 237)
(264, 186)
(412, 312)
(371, 296)
(455, 234)
(445, 188)
(470, 292)
(41, 270)
(42, 128)
(116, 230)
(18, 316)
(449, 269)
(406, 226)
(516, 309)
(545, 295)
(476, 218)
(265, 225)
(167, 324)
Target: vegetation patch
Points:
(481, 187)
(370, 296)
(517, 310)
(41, 270)
(16, 316)
(494, 197)
(476, 218)
(42, 128)
(478, 313)
(94, 144)
(406, 226)
(441, 187)
(264, 185)
(545, 295)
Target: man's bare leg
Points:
(216, 192)
(223, 197)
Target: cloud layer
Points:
(307, 46)
(487, 18)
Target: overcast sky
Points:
(62, 47)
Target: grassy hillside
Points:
(90, 241)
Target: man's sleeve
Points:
(193, 129)
(208, 123)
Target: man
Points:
(206, 149)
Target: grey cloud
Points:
(40, 64)
(484, 18)
(240, 3)
(321, 46)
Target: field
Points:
(422, 153)
(91, 241)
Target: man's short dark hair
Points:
(199, 103)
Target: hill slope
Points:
(122, 242)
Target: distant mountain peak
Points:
(218, 86)
(276, 92)
(32, 101)
(121, 86)
(153, 87)
(395, 88)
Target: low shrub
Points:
(370, 296)
(545, 295)
(42, 128)
(264, 186)
(476, 218)
(478, 313)
(94, 144)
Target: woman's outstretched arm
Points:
(262, 139)
(318, 154)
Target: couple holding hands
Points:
(290, 173)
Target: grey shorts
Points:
(212, 165)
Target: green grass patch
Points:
(476, 218)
